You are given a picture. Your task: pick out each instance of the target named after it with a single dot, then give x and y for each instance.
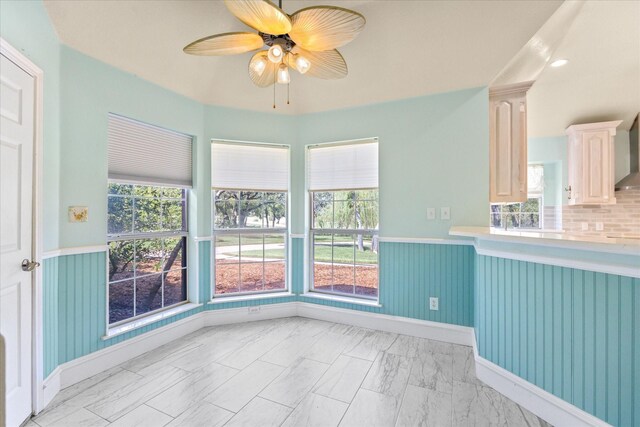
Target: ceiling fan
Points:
(305, 41)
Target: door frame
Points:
(37, 366)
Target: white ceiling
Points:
(408, 48)
(602, 79)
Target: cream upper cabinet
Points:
(592, 163)
(508, 142)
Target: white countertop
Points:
(555, 239)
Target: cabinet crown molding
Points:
(510, 89)
(612, 125)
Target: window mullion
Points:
(239, 262)
(135, 274)
(355, 237)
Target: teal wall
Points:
(26, 26)
(552, 153)
(91, 90)
(573, 333)
(434, 152)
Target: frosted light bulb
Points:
(283, 74)
(302, 64)
(275, 53)
(258, 65)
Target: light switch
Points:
(585, 226)
(431, 213)
(445, 214)
(599, 226)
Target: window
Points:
(250, 188)
(525, 215)
(147, 236)
(149, 174)
(343, 181)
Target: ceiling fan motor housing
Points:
(283, 40)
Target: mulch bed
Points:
(341, 277)
(227, 277)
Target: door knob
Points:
(29, 265)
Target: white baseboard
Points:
(401, 325)
(545, 405)
(249, 314)
(51, 386)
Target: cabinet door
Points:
(596, 171)
(508, 149)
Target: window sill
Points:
(144, 321)
(223, 300)
(337, 298)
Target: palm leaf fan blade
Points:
(323, 28)
(225, 44)
(328, 65)
(261, 15)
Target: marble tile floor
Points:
(289, 372)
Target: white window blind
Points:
(237, 166)
(348, 166)
(535, 180)
(145, 154)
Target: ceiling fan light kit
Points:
(305, 41)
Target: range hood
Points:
(632, 181)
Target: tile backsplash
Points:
(619, 220)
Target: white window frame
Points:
(112, 237)
(309, 220)
(333, 231)
(214, 297)
(248, 231)
(520, 213)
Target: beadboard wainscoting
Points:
(573, 333)
(410, 273)
(204, 270)
(297, 264)
(74, 309)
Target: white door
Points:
(17, 104)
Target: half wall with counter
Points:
(561, 313)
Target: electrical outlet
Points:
(254, 309)
(433, 303)
(445, 213)
(599, 226)
(431, 213)
(584, 226)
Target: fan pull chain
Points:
(275, 75)
(289, 64)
